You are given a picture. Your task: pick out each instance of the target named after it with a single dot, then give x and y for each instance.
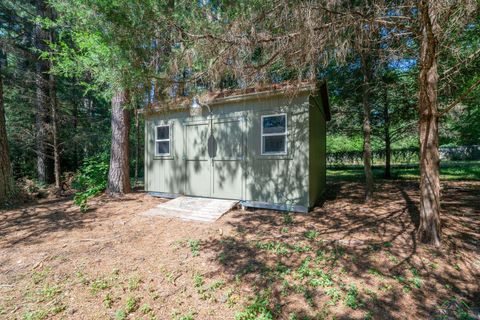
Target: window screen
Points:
(274, 134)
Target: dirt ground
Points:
(345, 260)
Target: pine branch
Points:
(456, 102)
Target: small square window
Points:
(274, 134)
(162, 140)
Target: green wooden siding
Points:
(221, 157)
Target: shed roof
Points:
(213, 98)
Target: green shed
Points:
(265, 148)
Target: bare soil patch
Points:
(345, 260)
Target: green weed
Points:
(145, 308)
(258, 309)
(392, 258)
(36, 315)
(48, 292)
(287, 219)
(194, 247)
(131, 305)
(108, 300)
(134, 283)
(39, 276)
(197, 280)
(98, 285)
(416, 280)
(351, 298)
(300, 249)
(375, 272)
(282, 269)
(311, 234)
(274, 246)
(120, 315)
(322, 279)
(334, 295)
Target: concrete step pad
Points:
(193, 208)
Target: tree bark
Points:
(429, 230)
(54, 114)
(137, 146)
(119, 172)
(388, 151)
(367, 148)
(6, 181)
(42, 119)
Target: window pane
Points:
(274, 124)
(163, 132)
(274, 144)
(163, 147)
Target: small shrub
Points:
(91, 179)
(287, 219)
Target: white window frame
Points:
(163, 140)
(274, 134)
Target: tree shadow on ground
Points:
(30, 223)
(354, 260)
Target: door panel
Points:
(229, 146)
(197, 161)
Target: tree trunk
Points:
(119, 172)
(388, 151)
(429, 230)
(75, 131)
(137, 146)
(367, 148)
(54, 114)
(42, 119)
(6, 181)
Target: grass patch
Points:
(454, 171)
